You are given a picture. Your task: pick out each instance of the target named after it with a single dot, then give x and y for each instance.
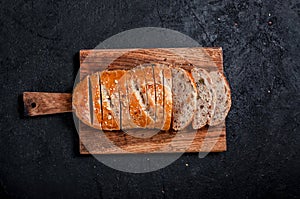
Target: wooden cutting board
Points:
(93, 141)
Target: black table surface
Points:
(40, 41)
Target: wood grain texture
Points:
(39, 103)
(97, 60)
(206, 139)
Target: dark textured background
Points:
(39, 41)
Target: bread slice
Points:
(132, 94)
(168, 102)
(163, 88)
(184, 98)
(136, 112)
(96, 100)
(222, 96)
(159, 95)
(205, 101)
(81, 101)
(150, 90)
(156, 75)
(110, 99)
(139, 81)
(125, 118)
(115, 96)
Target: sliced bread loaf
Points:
(184, 95)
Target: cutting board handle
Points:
(40, 103)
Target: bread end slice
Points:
(81, 101)
(223, 97)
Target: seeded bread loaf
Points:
(152, 96)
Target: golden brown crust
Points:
(137, 98)
(150, 96)
(167, 98)
(126, 122)
(159, 95)
(109, 81)
(163, 81)
(96, 100)
(80, 101)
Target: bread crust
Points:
(81, 101)
(139, 104)
(126, 122)
(168, 102)
(159, 95)
(96, 100)
(110, 100)
(148, 70)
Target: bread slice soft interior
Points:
(205, 101)
(223, 97)
(184, 95)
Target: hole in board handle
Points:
(33, 105)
